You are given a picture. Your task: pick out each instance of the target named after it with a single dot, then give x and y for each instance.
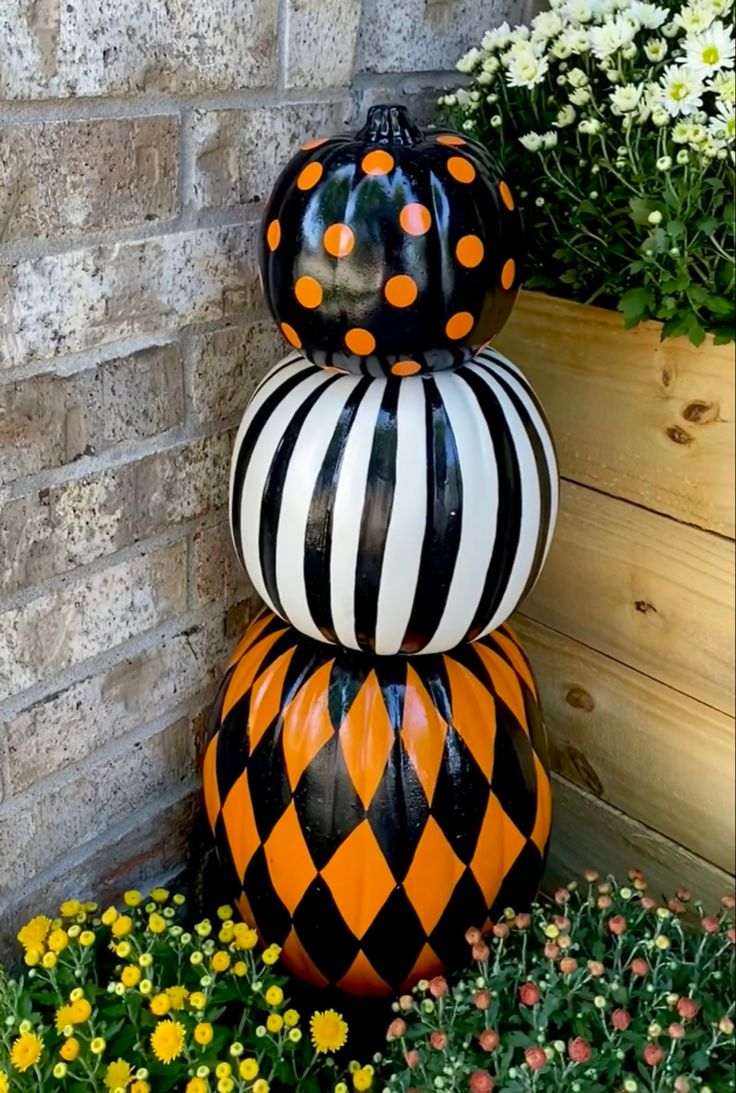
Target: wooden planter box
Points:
(631, 626)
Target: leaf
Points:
(719, 305)
(641, 207)
(695, 331)
(675, 229)
(635, 305)
(707, 224)
(723, 335)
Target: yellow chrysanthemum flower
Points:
(70, 908)
(196, 1085)
(132, 898)
(34, 933)
(248, 1069)
(362, 1079)
(86, 938)
(32, 957)
(223, 1070)
(49, 960)
(240, 968)
(291, 1018)
(81, 1011)
(197, 1000)
(329, 1030)
(4, 1084)
(271, 954)
(60, 1070)
(160, 1004)
(109, 915)
(119, 1075)
(156, 923)
(274, 1022)
(26, 1051)
(245, 938)
(203, 1033)
(177, 997)
(274, 996)
(64, 1017)
(220, 961)
(98, 1045)
(261, 1086)
(69, 1049)
(140, 1087)
(160, 895)
(167, 1041)
(130, 976)
(58, 941)
(122, 926)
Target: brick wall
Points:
(137, 144)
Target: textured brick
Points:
(39, 828)
(68, 726)
(47, 421)
(225, 366)
(420, 102)
(70, 178)
(54, 530)
(53, 49)
(320, 44)
(82, 618)
(139, 857)
(423, 35)
(69, 302)
(216, 574)
(228, 171)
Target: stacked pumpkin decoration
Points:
(377, 776)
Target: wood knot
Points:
(667, 375)
(579, 699)
(701, 413)
(678, 435)
(644, 606)
(583, 771)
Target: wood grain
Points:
(639, 587)
(658, 755)
(587, 833)
(649, 421)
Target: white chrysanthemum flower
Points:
(724, 86)
(612, 36)
(491, 65)
(711, 50)
(664, 163)
(561, 50)
(695, 17)
(546, 24)
(469, 61)
(496, 121)
(576, 77)
(580, 96)
(722, 127)
(680, 90)
(549, 139)
(660, 117)
(649, 16)
(589, 127)
(496, 38)
(531, 141)
(565, 116)
(577, 11)
(526, 70)
(720, 7)
(625, 99)
(656, 49)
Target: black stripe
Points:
(375, 518)
(318, 535)
(508, 518)
(443, 522)
(273, 491)
(543, 477)
(248, 443)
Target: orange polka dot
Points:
(359, 341)
(291, 335)
(451, 139)
(309, 176)
(405, 368)
(338, 240)
(461, 169)
(377, 163)
(273, 234)
(308, 292)
(401, 291)
(459, 324)
(415, 219)
(508, 273)
(469, 251)
(313, 143)
(506, 196)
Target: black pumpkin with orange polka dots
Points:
(391, 251)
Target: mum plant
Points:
(615, 121)
(128, 1001)
(600, 990)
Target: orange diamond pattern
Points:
(377, 889)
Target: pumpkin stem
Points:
(389, 123)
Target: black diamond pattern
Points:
(394, 939)
(398, 812)
(466, 907)
(323, 932)
(514, 779)
(520, 883)
(232, 746)
(326, 789)
(272, 918)
(460, 815)
(267, 780)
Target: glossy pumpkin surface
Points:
(390, 251)
(368, 810)
(394, 515)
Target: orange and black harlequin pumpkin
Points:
(368, 810)
(390, 250)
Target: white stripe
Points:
(530, 505)
(405, 532)
(304, 467)
(257, 472)
(479, 511)
(349, 500)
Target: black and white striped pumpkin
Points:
(394, 515)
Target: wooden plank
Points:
(638, 418)
(587, 833)
(658, 755)
(652, 593)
